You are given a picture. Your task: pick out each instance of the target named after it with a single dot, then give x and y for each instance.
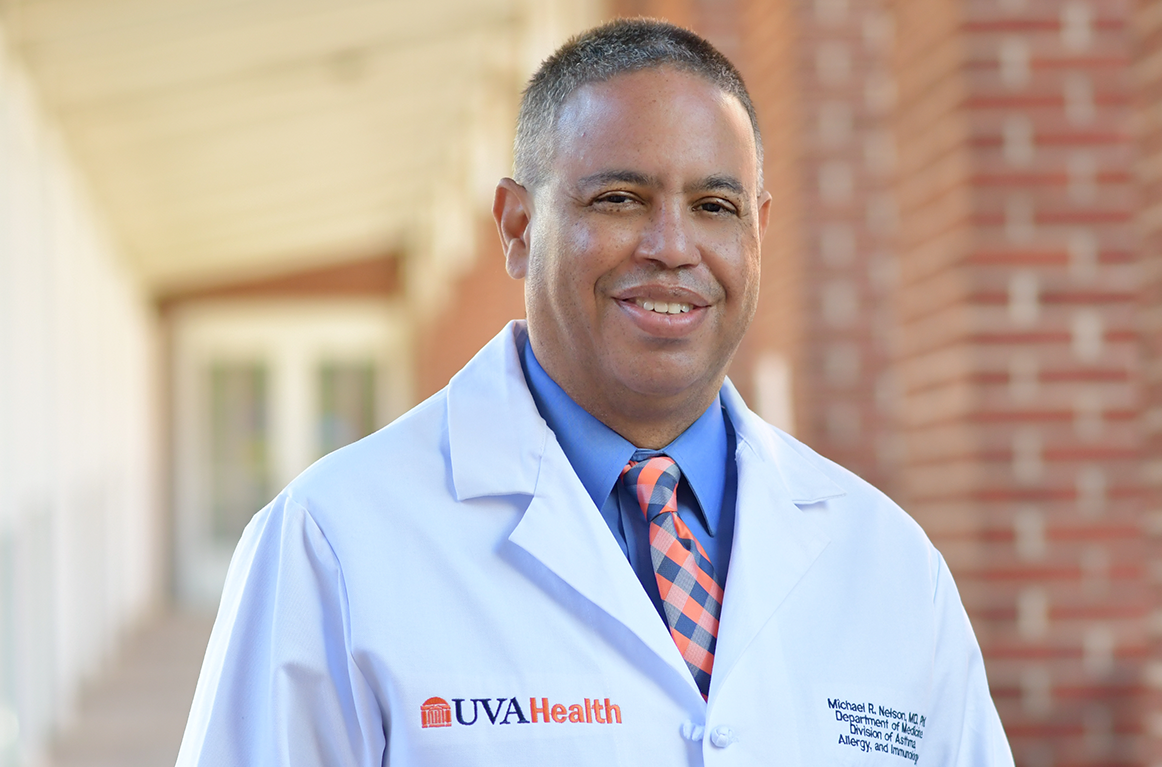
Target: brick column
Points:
(1018, 353)
(1148, 90)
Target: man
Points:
(586, 550)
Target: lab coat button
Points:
(722, 736)
(694, 732)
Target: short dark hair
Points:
(599, 54)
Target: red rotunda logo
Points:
(435, 712)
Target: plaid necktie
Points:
(691, 597)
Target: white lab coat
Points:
(455, 556)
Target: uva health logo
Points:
(437, 712)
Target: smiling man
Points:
(587, 550)
(640, 247)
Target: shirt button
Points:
(691, 731)
(722, 736)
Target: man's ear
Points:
(764, 213)
(512, 209)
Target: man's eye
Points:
(715, 206)
(616, 199)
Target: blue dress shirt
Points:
(704, 454)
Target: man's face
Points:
(643, 242)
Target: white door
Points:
(261, 390)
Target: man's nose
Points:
(669, 238)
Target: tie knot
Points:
(653, 480)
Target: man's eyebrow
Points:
(607, 177)
(636, 178)
(717, 183)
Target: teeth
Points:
(662, 307)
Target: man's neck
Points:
(646, 421)
(635, 404)
(649, 435)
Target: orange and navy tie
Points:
(691, 598)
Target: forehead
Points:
(663, 116)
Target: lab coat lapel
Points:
(775, 542)
(564, 531)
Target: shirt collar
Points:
(598, 453)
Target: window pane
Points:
(239, 446)
(346, 403)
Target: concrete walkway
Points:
(135, 715)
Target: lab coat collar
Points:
(496, 437)
(802, 480)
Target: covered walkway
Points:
(134, 714)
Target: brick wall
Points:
(1018, 353)
(1147, 26)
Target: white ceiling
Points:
(234, 137)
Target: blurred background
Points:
(236, 234)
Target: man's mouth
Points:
(663, 307)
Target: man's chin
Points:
(664, 385)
